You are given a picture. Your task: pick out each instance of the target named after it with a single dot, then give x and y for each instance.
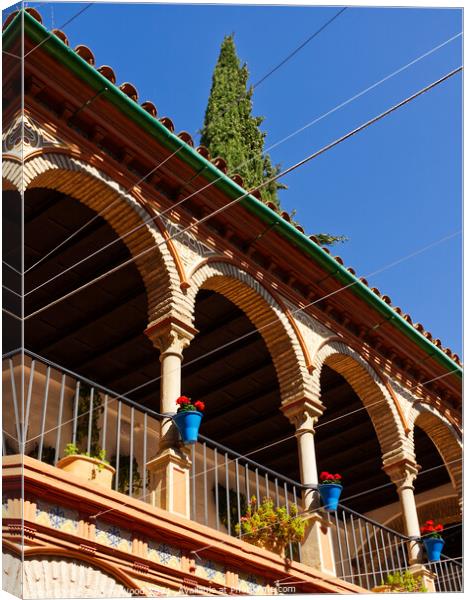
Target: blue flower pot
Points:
(433, 547)
(188, 423)
(330, 494)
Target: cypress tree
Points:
(230, 130)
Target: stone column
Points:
(317, 549)
(169, 469)
(403, 475)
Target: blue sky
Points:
(393, 189)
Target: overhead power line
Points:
(159, 165)
(283, 173)
(147, 221)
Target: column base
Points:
(428, 577)
(169, 481)
(317, 550)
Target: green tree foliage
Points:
(230, 130)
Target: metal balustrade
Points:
(228, 481)
(366, 551)
(449, 574)
(61, 407)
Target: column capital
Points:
(403, 473)
(170, 335)
(303, 414)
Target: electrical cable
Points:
(267, 182)
(124, 395)
(148, 221)
(181, 147)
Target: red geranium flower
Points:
(439, 528)
(323, 475)
(183, 400)
(330, 477)
(429, 522)
(337, 476)
(199, 405)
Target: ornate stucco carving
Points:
(24, 136)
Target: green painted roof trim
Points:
(37, 33)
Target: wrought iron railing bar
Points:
(453, 560)
(90, 421)
(460, 581)
(385, 554)
(392, 551)
(193, 486)
(354, 538)
(246, 481)
(75, 411)
(371, 521)
(253, 463)
(59, 420)
(131, 451)
(104, 435)
(28, 401)
(443, 579)
(257, 484)
(285, 494)
(347, 545)
(101, 388)
(362, 542)
(339, 544)
(227, 483)
(405, 554)
(378, 553)
(118, 442)
(15, 405)
(44, 414)
(11, 353)
(295, 500)
(370, 552)
(267, 488)
(238, 496)
(217, 508)
(145, 455)
(205, 484)
(453, 577)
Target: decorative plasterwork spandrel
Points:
(24, 136)
(313, 331)
(191, 250)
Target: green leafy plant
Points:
(404, 582)
(233, 502)
(265, 524)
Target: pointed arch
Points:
(95, 189)
(371, 387)
(266, 314)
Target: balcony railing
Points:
(366, 551)
(61, 407)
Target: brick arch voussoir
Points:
(444, 437)
(374, 394)
(266, 315)
(99, 192)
